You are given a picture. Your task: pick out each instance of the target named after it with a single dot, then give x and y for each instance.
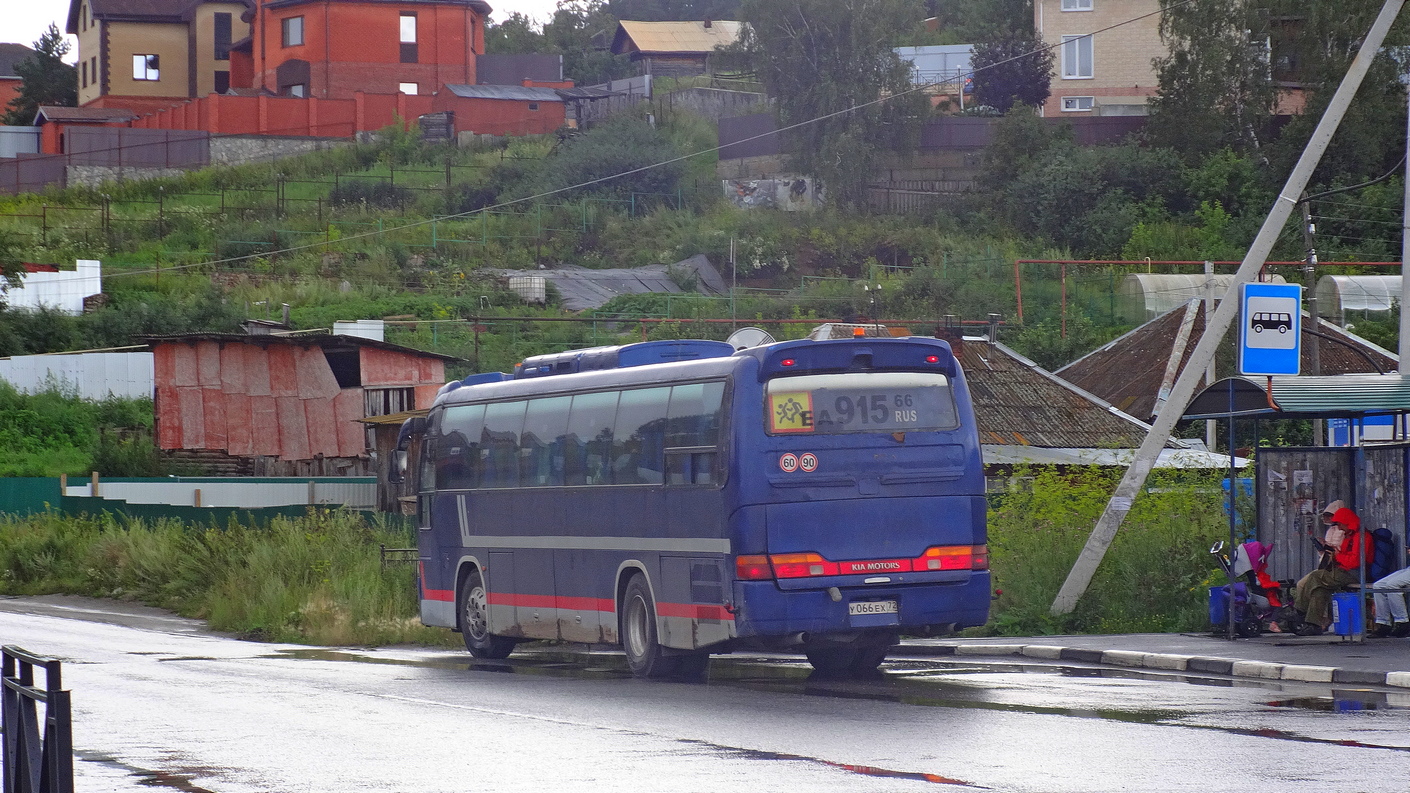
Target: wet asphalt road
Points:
(161, 704)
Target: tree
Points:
(826, 63)
(47, 79)
(516, 35)
(673, 10)
(1215, 88)
(1013, 69)
(968, 21)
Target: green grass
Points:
(316, 579)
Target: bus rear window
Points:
(834, 404)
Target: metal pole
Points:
(1215, 328)
(1233, 506)
(1404, 349)
(733, 285)
(1211, 427)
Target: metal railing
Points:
(35, 761)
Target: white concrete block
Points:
(1308, 674)
(1258, 669)
(1048, 651)
(1124, 658)
(1166, 661)
(1398, 679)
(987, 649)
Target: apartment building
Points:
(1102, 67)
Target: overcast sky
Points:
(24, 21)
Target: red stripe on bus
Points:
(445, 595)
(693, 611)
(687, 610)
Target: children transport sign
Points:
(1270, 329)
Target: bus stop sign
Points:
(1270, 329)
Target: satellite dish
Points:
(745, 338)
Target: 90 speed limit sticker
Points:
(808, 462)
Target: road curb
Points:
(1165, 662)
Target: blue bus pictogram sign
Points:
(1270, 329)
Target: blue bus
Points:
(683, 499)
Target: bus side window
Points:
(541, 447)
(458, 454)
(587, 444)
(499, 444)
(638, 447)
(692, 433)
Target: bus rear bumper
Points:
(763, 610)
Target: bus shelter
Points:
(1292, 484)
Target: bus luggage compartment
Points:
(870, 532)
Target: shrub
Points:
(370, 193)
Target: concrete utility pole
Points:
(1120, 504)
(1309, 271)
(1404, 350)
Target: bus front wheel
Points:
(475, 621)
(645, 655)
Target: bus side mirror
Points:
(396, 469)
(418, 425)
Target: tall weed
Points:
(315, 579)
(1152, 578)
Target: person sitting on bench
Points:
(1314, 591)
(1391, 618)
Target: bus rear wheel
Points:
(475, 621)
(645, 655)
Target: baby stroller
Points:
(1257, 599)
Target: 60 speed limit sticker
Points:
(788, 462)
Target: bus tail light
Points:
(752, 568)
(801, 565)
(954, 557)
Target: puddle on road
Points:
(149, 778)
(1339, 702)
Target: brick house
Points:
(10, 56)
(145, 55)
(1103, 74)
(502, 109)
(331, 49)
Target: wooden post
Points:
(311, 492)
(94, 486)
(196, 498)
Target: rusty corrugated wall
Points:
(273, 399)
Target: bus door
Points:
(691, 589)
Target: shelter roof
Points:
(1018, 403)
(91, 115)
(10, 56)
(396, 419)
(320, 339)
(674, 37)
(1302, 397)
(1134, 372)
(517, 93)
(583, 288)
